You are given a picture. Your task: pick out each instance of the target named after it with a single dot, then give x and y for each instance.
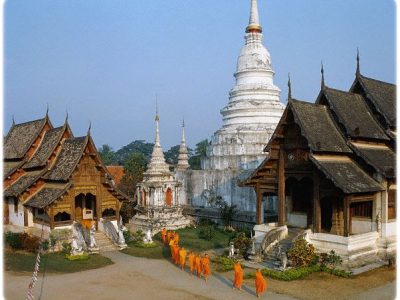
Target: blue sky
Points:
(105, 61)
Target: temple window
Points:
(108, 212)
(361, 209)
(392, 204)
(64, 216)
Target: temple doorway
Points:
(168, 197)
(85, 209)
(326, 214)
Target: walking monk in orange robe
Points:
(197, 265)
(182, 257)
(171, 247)
(261, 283)
(205, 263)
(238, 279)
(164, 236)
(176, 237)
(191, 262)
(176, 254)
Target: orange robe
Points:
(261, 283)
(171, 247)
(169, 236)
(182, 258)
(176, 238)
(176, 254)
(191, 262)
(164, 236)
(197, 265)
(205, 263)
(238, 279)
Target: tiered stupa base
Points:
(157, 218)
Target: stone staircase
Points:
(104, 243)
(271, 259)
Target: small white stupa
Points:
(158, 206)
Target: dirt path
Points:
(129, 278)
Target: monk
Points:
(176, 254)
(238, 279)
(164, 236)
(171, 247)
(261, 283)
(182, 257)
(176, 236)
(205, 263)
(191, 262)
(197, 265)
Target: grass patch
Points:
(223, 264)
(298, 273)
(189, 238)
(156, 251)
(52, 262)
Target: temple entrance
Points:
(326, 214)
(270, 208)
(168, 197)
(85, 209)
(301, 194)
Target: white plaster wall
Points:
(362, 226)
(389, 229)
(16, 218)
(297, 219)
(39, 226)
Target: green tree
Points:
(107, 155)
(200, 151)
(134, 167)
(139, 146)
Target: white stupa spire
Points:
(157, 165)
(254, 20)
(183, 157)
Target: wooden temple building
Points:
(331, 166)
(52, 178)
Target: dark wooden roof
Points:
(353, 113)
(346, 174)
(383, 96)
(10, 167)
(318, 127)
(23, 183)
(46, 196)
(20, 138)
(70, 155)
(380, 157)
(46, 148)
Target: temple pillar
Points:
(346, 215)
(317, 203)
(281, 188)
(258, 204)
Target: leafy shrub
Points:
(330, 259)
(13, 240)
(46, 245)
(66, 247)
(223, 263)
(29, 242)
(301, 254)
(207, 233)
(137, 236)
(206, 222)
(336, 272)
(83, 256)
(127, 236)
(242, 242)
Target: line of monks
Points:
(179, 254)
(202, 264)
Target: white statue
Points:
(93, 243)
(148, 239)
(75, 248)
(231, 249)
(284, 259)
(121, 238)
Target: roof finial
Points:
(358, 62)
(183, 131)
(66, 116)
(90, 127)
(157, 118)
(13, 120)
(47, 110)
(322, 76)
(289, 88)
(254, 20)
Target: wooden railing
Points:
(272, 237)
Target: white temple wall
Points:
(16, 218)
(362, 226)
(221, 182)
